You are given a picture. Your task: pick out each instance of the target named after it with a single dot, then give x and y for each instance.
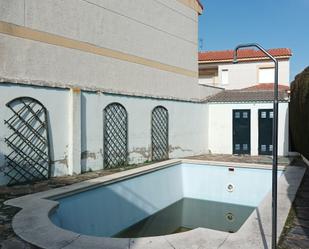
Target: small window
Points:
(237, 114)
(263, 147)
(245, 146)
(263, 115)
(245, 114)
(225, 76)
(237, 146)
(271, 147)
(267, 75)
(271, 114)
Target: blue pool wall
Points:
(208, 182)
(106, 210)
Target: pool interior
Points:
(173, 199)
(187, 214)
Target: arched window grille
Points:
(159, 133)
(115, 136)
(29, 156)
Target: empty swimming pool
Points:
(168, 200)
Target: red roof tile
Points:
(266, 87)
(242, 54)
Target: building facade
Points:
(87, 85)
(245, 122)
(245, 106)
(216, 68)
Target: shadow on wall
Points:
(4, 179)
(83, 132)
(51, 145)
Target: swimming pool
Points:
(127, 210)
(180, 197)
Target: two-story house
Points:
(216, 68)
(240, 117)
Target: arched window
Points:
(115, 136)
(29, 159)
(159, 133)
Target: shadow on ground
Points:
(296, 230)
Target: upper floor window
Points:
(267, 75)
(225, 76)
(208, 76)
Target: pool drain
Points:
(230, 217)
(230, 187)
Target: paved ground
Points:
(8, 239)
(242, 159)
(296, 234)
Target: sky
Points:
(271, 23)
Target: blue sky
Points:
(271, 23)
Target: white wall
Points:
(220, 133)
(187, 127)
(147, 29)
(56, 102)
(76, 126)
(243, 75)
(246, 74)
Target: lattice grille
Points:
(29, 159)
(159, 133)
(115, 136)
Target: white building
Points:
(240, 122)
(240, 118)
(216, 68)
(88, 85)
(93, 65)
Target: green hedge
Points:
(299, 113)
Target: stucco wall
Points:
(220, 131)
(56, 102)
(187, 127)
(76, 126)
(147, 29)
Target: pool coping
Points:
(33, 225)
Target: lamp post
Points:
(274, 138)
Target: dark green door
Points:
(265, 131)
(241, 131)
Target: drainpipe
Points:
(274, 138)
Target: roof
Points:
(243, 54)
(200, 4)
(194, 4)
(266, 87)
(251, 94)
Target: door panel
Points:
(241, 132)
(265, 131)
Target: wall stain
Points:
(61, 161)
(144, 152)
(173, 148)
(88, 155)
